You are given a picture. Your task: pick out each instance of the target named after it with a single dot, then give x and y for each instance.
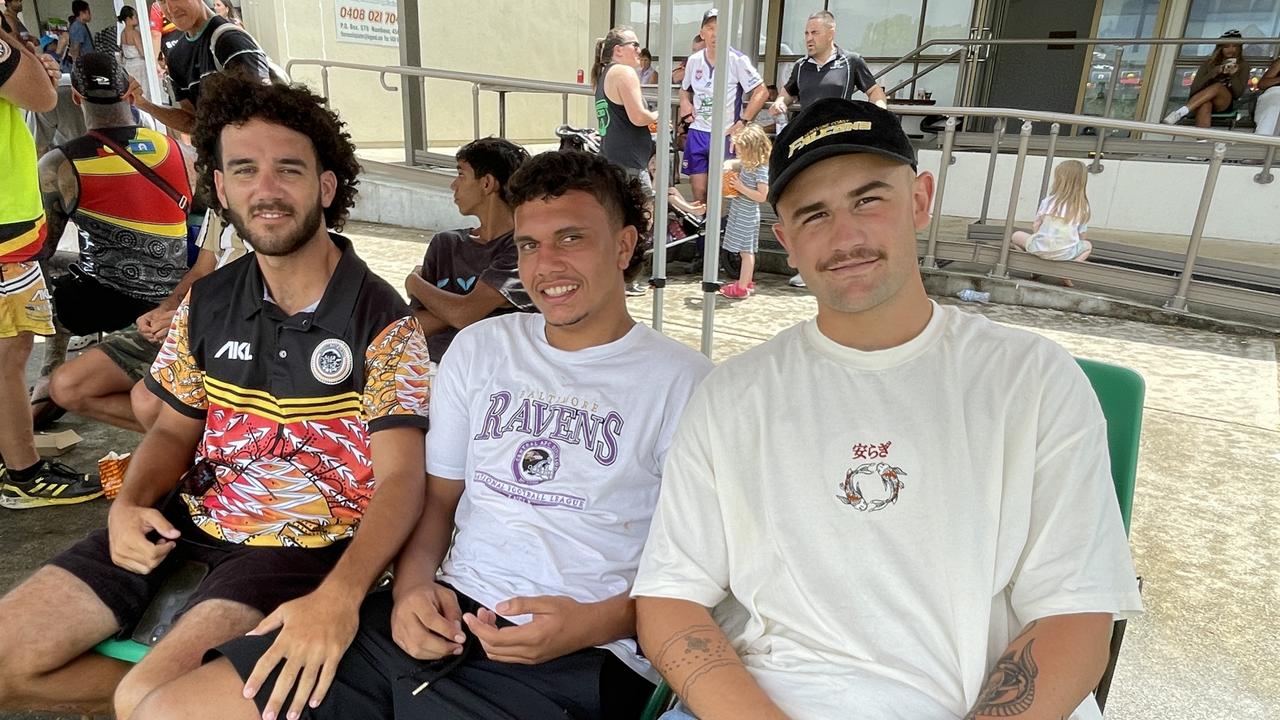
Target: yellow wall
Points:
(538, 39)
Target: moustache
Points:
(860, 255)
(271, 207)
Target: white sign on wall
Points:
(369, 22)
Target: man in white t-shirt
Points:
(511, 600)
(697, 101)
(935, 535)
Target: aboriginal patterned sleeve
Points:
(397, 386)
(175, 376)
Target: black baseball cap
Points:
(99, 78)
(831, 127)
(709, 15)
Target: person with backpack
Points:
(127, 189)
(209, 44)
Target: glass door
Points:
(1127, 82)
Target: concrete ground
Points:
(1204, 537)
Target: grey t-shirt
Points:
(455, 262)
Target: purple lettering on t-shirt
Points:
(490, 428)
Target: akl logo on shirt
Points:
(234, 350)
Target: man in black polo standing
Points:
(827, 71)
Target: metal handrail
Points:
(1178, 301)
(499, 84)
(972, 42)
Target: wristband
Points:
(881, 104)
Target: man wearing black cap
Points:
(936, 536)
(127, 189)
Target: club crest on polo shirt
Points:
(331, 362)
(871, 486)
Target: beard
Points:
(276, 244)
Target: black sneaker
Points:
(55, 484)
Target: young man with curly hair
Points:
(510, 600)
(296, 378)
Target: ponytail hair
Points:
(604, 52)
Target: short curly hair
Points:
(233, 98)
(552, 174)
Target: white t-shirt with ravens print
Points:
(562, 455)
(876, 527)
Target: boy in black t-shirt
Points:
(470, 274)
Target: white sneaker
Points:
(796, 281)
(1173, 117)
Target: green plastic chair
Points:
(1120, 392)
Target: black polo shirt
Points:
(841, 76)
(289, 402)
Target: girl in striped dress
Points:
(747, 185)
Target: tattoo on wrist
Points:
(1010, 689)
(697, 650)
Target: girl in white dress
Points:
(1062, 219)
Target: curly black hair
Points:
(496, 157)
(555, 173)
(233, 98)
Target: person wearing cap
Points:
(132, 227)
(1219, 81)
(697, 101)
(935, 536)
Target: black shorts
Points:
(261, 577)
(85, 306)
(376, 679)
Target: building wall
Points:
(545, 39)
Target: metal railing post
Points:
(1096, 166)
(1024, 139)
(715, 185)
(502, 114)
(564, 108)
(931, 247)
(1264, 177)
(996, 135)
(324, 84)
(662, 176)
(1179, 299)
(1049, 154)
(475, 111)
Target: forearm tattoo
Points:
(1010, 689)
(697, 651)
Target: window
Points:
(795, 13)
(946, 19)
(1210, 18)
(1120, 19)
(877, 28)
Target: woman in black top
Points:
(623, 118)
